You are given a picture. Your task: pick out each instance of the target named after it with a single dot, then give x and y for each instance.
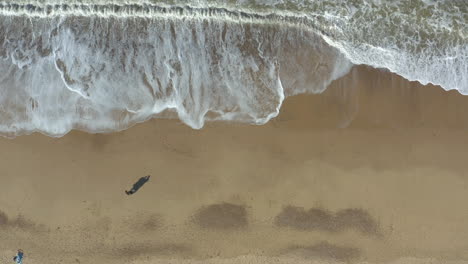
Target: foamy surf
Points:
(103, 66)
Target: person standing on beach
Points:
(138, 185)
(19, 257)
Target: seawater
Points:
(102, 66)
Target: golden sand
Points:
(373, 170)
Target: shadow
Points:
(23, 223)
(324, 251)
(3, 219)
(144, 223)
(357, 219)
(221, 216)
(324, 220)
(19, 222)
(170, 249)
(137, 185)
(151, 223)
(298, 218)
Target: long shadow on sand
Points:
(137, 185)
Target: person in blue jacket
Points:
(19, 257)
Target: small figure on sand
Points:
(138, 185)
(19, 257)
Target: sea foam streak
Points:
(105, 66)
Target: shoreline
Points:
(398, 166)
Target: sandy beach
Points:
(373, 170)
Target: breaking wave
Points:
(104, 66)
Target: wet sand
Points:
(374, 170)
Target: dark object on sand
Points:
(138, 185)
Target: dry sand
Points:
(373, 170)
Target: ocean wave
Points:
(104, 66)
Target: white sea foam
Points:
(101, 66)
